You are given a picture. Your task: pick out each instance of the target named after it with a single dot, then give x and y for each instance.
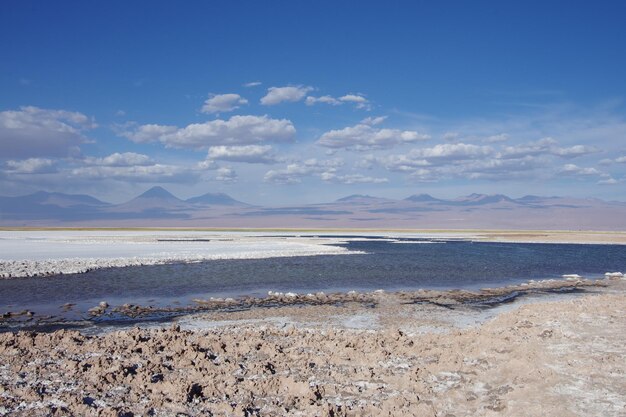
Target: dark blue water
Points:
(386, 265)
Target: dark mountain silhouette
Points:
(45, 205)
(362, 199)
(422, 198)
(533, 199)
(58, 199)
(220, 199)
(480, 199)
(157, 193)
(155, 203)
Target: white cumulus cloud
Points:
(253, 154)
(423, 175)
(148, 133)
(572, 169)
(438, 155)
(574, 151)
(401, 163)
(31, 166)
(365, 137)
(360, 101)
(453, 151)
(294, 172)
(222, 103)
(310, 100)
(276, 95)
(124, 159)
(238, 130)
(140, 173)
(546, 146)
(226, 174)
(608, 181)
(35, 132)
(352, 178)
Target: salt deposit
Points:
(553, 358)
(27, 254)
(572, 277)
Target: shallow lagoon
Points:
(389, 264)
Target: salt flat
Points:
(30, 253)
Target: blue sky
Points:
(294, 102)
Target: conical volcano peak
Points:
(158, 192)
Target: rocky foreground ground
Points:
(565, 358)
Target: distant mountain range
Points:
(158, 207)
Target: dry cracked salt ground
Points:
(563, 358)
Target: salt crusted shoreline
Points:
(32, 254)
(31, 268)
(563, 358)
(454, 299)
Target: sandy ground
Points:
(563, 357)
